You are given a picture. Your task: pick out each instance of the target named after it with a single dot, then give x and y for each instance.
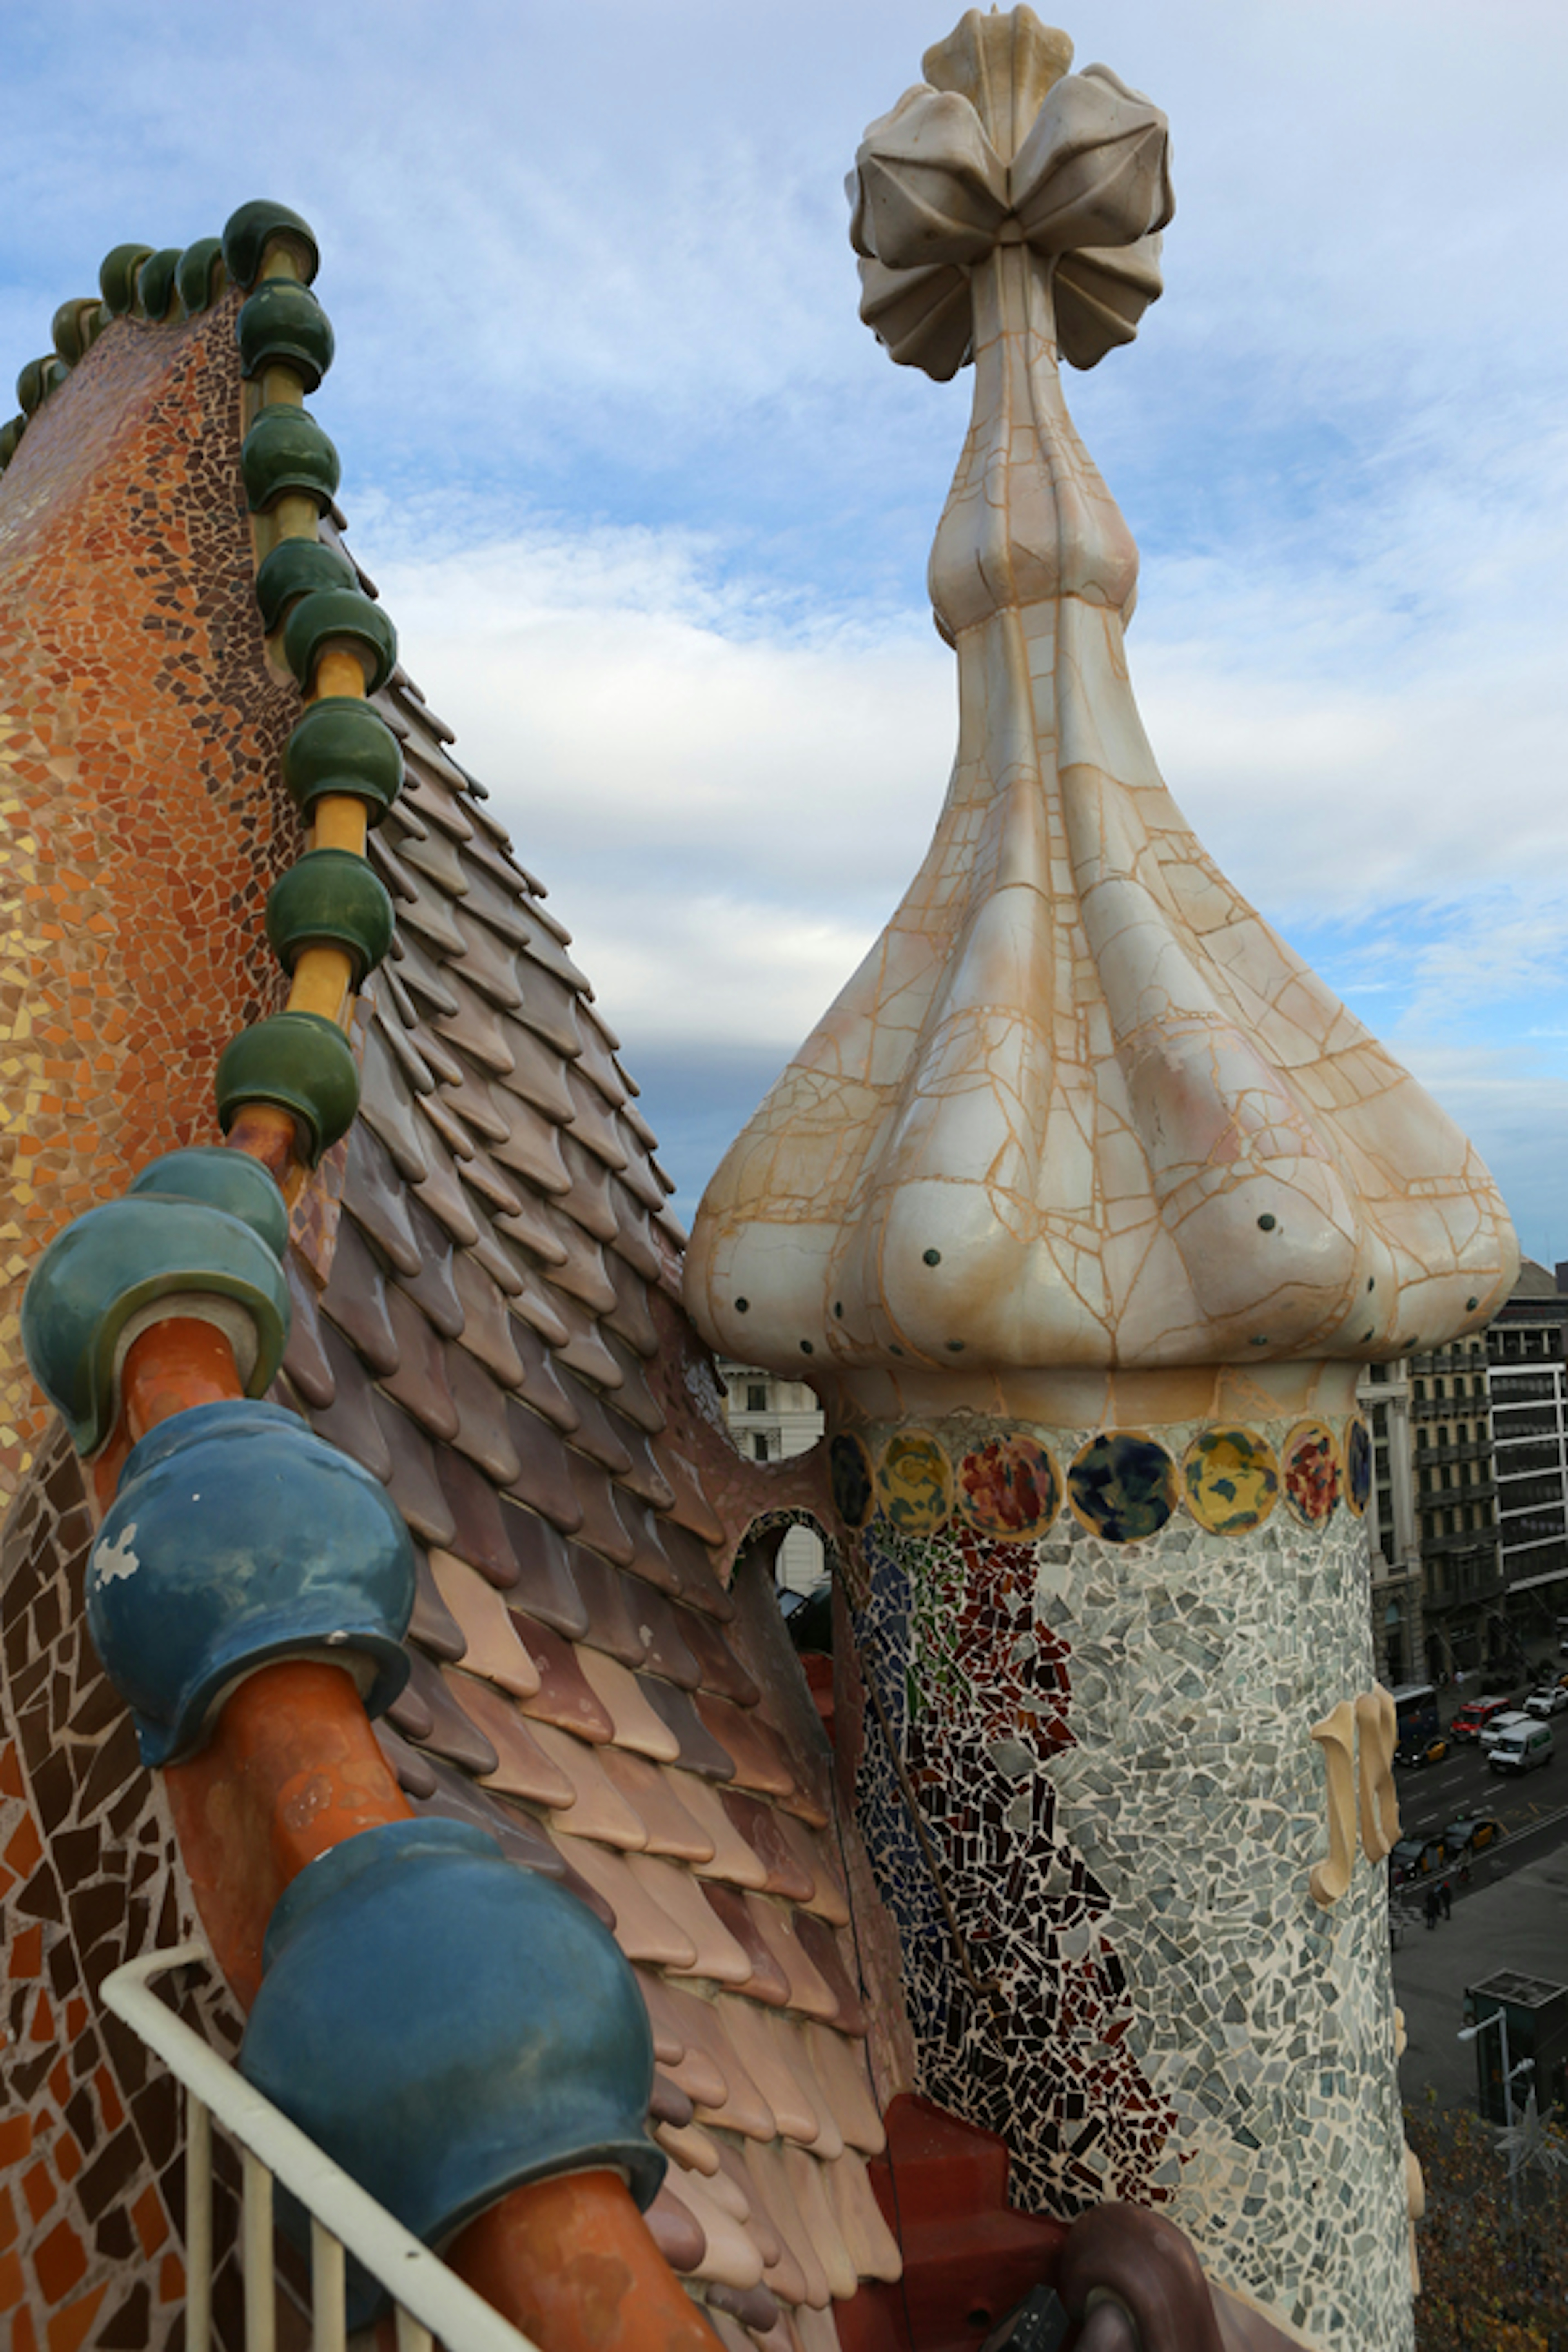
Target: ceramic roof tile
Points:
(440, 1191)
(872, 2247)
(414, 1773)
(693, 2149)
(541, 1382)
(672, 1830)
(488, 963)
(715, 1953)
(484, 1427)
(668, 1654)
(627, 1314)
(457, 1798)
(435, 856)
(355, 1299)
(533, 1227)
(531, 1070)
(432, 1625)
(592, 1122)
(743, 2108)
(695, 1581)
(562, 1694)
(548, 1009)
(418, 1376)
(582, 1273)
(764, 2161)
(597, 1809)
(595, 1435)
(305, 1357)
(413, 1483)
(429, 790)
(499, 1195)
(449, 1128)
(676, 2231)
(668, 2103)
(781, 2271)
(481, 1532)
(668, 2048)
(633, 1237)
(643, 1931)
(533, 1151)
(399, 879)
(584, 1349)
(612, 1616)
(446, 1064)
(491, 1645)
(641, 1180)
(487, 1331)
(719, 1668)
(736, 2191)
(597, 1900)
(467, 1092)
(476, 1027)
(732, 1860)
(638, 1725)
(815, 1856)
(431, 914)
(541, 1478)
(767, 1981)
(387, 1107)
(523, 1767)
(374, 1199)
(817, 2330)
(766, 2053)
(842, 2071)
(642, 1474)
(730, 2259)
(498, 1256)
(816, 2215)
(422, 974)
(426, 1712)
(828, 2144)
(699, 1752)
(545, 1587)
(787, 1872)
(431, 1285)
(691, 1509)
(596, 1062)
(350, 1420)
(545, 948)
(758, 1756)
(804, 1987)
(591, 1202)
(821, 1947)
(400, 1044)
(600, 1526)
(633, 1395)
(651, 1562)
(698, 2078)
(492, 903)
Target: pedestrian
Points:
(1458, 1678)
(1431, 1907)
(1446, 1897)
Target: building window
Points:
(760, 1444)
(756, 1400)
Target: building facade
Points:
(1530, 1433)
(770, 1420)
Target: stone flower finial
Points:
(996, 147)
(1080, 1108)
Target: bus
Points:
(1415, 1712)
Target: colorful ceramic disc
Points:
(915, 1484)
(1009, 1487)
(1358, 1466)
(1312, 1479)
(1232, 1480)
(1124, 1486)
(854, 1484)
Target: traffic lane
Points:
(1435, 1794)
(1528, 1844)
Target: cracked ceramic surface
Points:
(1080, 1106)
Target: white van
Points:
(1520, 1748)
(1502, 1726)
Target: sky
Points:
(651, 508)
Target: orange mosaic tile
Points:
(131, 651)
(67, 2331)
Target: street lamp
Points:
(1525, 2066)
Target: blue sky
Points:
(651, 510)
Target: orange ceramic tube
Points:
(571, 2262)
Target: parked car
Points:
(1416, 1752)
(1500, 1724)
(1416, 1857)
(1474, 1715)
(1472, 1832)
(1550, 1699)
(1522, 1749)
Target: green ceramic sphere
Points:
(341, 745)
(283, 325)
(330, 615)
(293, 569)
(199, 277)
(286, 453)
(300, 1061)
(331, 898)
(249, 232)
(116, 276)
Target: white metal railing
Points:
(430, 2301)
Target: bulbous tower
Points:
(1081, 1207)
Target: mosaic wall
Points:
(1099, 1657)
(92, 2188)
(136, 716)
